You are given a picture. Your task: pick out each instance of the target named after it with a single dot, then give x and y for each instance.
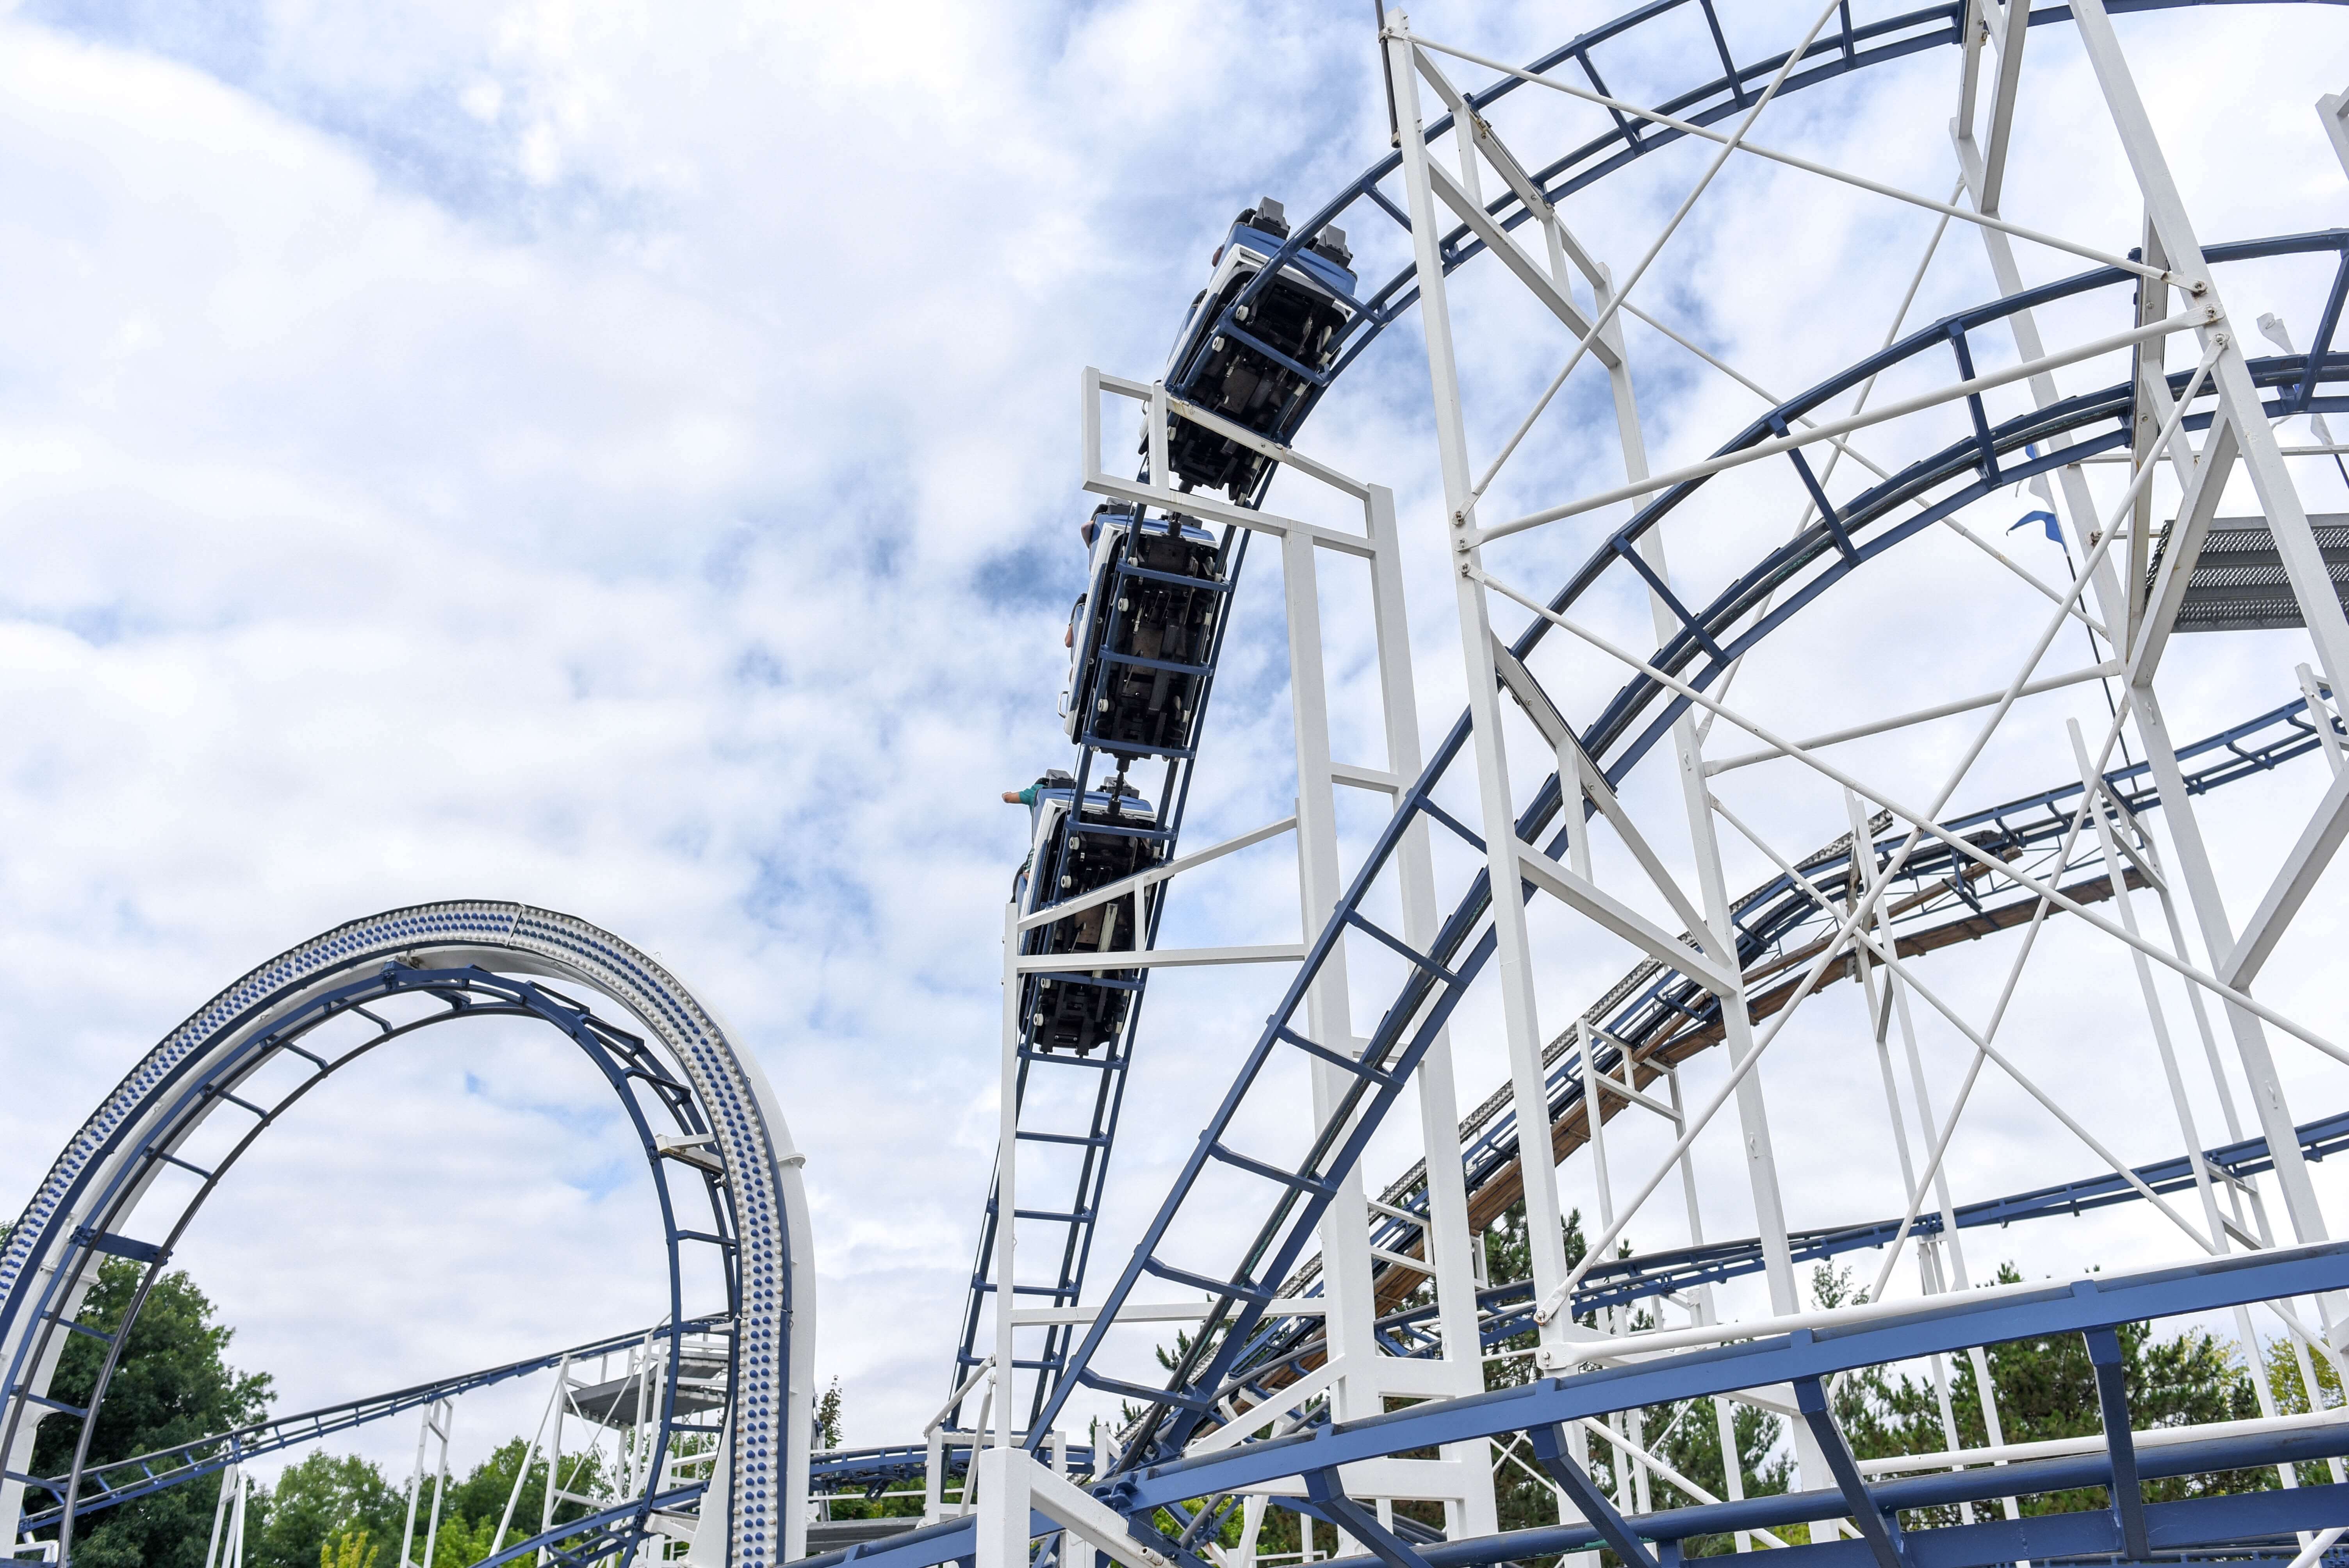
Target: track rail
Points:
(1793, 1351)
(1790, 579)
(1707, 97)
(125, 1480)
(140, 1171)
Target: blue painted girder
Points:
(1940, 1326)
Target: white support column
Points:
(2296, 546)
(2268, 1102)
(1345, 1223)
(2238, 400)
(1451, 1245)
(1521, 1019)
(231, 1477)
(1006, 1182)
(1002, 1475)
(1720, 935)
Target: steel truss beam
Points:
(1824, 1344)
(1706, 100)
(1716, 636)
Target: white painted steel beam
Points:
(2293, 882)
(1523, 268)
(1157, 874)
(1706, 133)
(1514, 961)
(1155, 958)
(1810, 435)
(1922, 716)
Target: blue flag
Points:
(2046, 518)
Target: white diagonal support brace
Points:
(1523, 267)
(1140, 880)
(1554, 728)
(1155, 958)
(1596, 904)
(1809, 435)
(2196, 508)
(2293, 884)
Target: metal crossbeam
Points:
(2112, 1401)
(1549, 1443)
(1876, 1527)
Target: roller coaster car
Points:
(1139, 637)
(1251, 370)
(1114, 836)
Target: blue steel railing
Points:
(124, 1479)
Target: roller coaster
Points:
(1337, 1352)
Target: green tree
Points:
(2291, 1395)
(829, 1414)
(317, 1502)
(827, 1418)
(173, 1386)
(462, 1541)
(479, 1498)
(353, 1551)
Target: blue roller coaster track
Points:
(686, 1088)
(142, 1169)
(1845, 539)
(2008, 459)
(2130, 1528)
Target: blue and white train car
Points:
(1071, 853)
(1141, 634)
(1257, 363)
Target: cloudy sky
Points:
(623, 459)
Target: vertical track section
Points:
(1075, 1207)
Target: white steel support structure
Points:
(2241, 434)
(1714, 968)
(1358, 1377)
(1599, 332)
(1710, 927)
(2177, 296)
(440, 1416)
(1521, 1019)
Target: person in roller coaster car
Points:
(1055, 779)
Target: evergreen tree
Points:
(172, 1385)
(2046, 1388)
(827, 1418)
